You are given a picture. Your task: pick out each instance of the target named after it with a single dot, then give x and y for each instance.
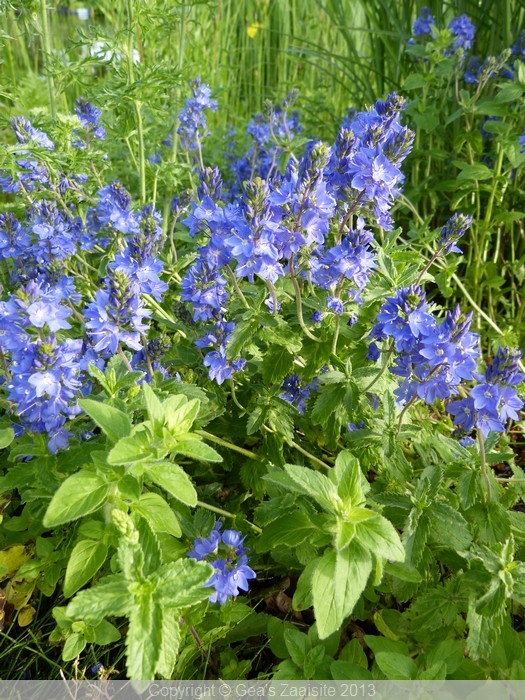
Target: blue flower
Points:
(424, 23)
(26, 133)
(463, 31)
(231, 573)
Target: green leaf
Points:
(415, 535)
(353, 653)
(315, 485)
(348, 475)
(509, 93)
(180, 420)
(153, 405)
(129, 450)
(291, 530)
(106, 633)
(478, 171)
(7, 435)
(302, 598)
(157, 512)
(346, 671)
(180, 583)
(468, 488)
(170, 644)
(144, 638)
(174, 480)
(331, 398)
(110, 597)
(414, 81)
(378, 535)
(86, 559)
(80, 494)
(74, 645)
(426, 121)
(382, 644)
(449, 527)
(396, 667)
(197, 450)
(449, 651)
(337, 583)
(345, 533)
(298, 645)
(113, 422)
(277, 363)
(148, 546)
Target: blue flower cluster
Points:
(88, 116)
(295, 394)
(192, 127)
(227, 554)
(424, 23)
(463, 31)
(494, 398)
(282, 225)
(42, 371)
(269, 130)
(432, 358)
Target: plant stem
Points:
(381, 372)
(234, 396)
(46, 52)
(124, 358)
(136, 106)
(226, 514)
(229, 445)
(299, 303)
(310, 456)
(482, 455)
(236, 287)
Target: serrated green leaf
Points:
(85, 560)
(415, 536)
(157, 512)
(291, 530)
(170, 644)
(478, 171)
(80, 494)
(180, 583)
(302, 598)
(380, 537)
(449, 527)
(315, 485)
(331, 397)
(349, 479)
(153, 405)
(129, 450)
(297, 644)
(110, 597)
(180, 420)
(144, 638)
(113, 422)
(353, 653)
(174, 480)
(337, 583)
(277, 363)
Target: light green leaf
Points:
(180, 420)
(80, 494)
(181, 583)
(349, 478)
(302, 598)
(449, 527)
(157, 512)
(197, 450)
(129, 450)
(379, 535)
(353, 653)
(396, 667)
(448, 651)
(315, 485)
(174, 480)
(337, 583)
(344, 534)
(7, 435)
(110, 597)
(74, 645)
(106, 633)
(291, 530)
(144, 638)
(170, 642)
(153, 405)
(113, 422)
(414, 81)
(86, 559)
